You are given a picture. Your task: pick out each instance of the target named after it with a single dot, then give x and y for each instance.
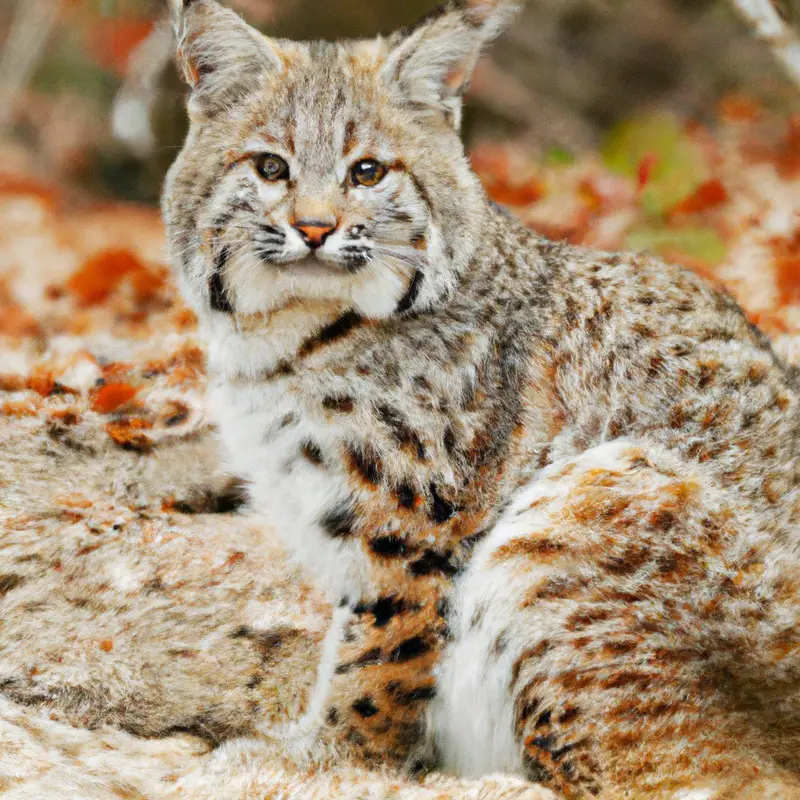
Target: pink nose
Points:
(314, 231)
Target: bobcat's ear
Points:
(431, 63)
(222, 57)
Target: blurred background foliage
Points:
(89, 84)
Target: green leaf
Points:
(701, 243)
(678, 163)
(559, 156)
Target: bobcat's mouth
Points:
(310, 266)
(323, 264)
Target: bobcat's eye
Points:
(272, 167)
(367, 173)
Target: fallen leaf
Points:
(111, 41)
(74, 501)
(708, 195)
(18, 408)
(12, 383)
(787, 269)
(739, 108)
(130, 434)
(658, 148)
(101, 274)
(703, 244)
(146, 284)
(112, 396)
(42, 382)
(15, 321)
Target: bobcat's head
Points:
(325, 171)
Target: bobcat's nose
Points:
(314, 231)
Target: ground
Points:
(139, 645)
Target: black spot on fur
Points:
(543, 742)
(388, 546)
(311, 452)
(9, 583)
(383, 610)
(410, 649)
(330, 333)
(407, 697)
(431, 562)
(367, 463)
(441, 509)
(401, 431)
(535, 771)
(410, 297)
(365, 707)
(406, 496)
(544, 719)
(560, 752)
(332, 716)
(282, 369)
(342, 404)
(339, 522)
(218, 297)
(468, 543)
(372, 656)
(449, 442)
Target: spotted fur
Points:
(552, 492)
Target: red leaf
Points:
(645, 169)
(101, 274)
(708, 195)
(111, 42)
(739, 108)
(113, 396)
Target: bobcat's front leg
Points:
(384, 676)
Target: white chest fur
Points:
(266, 432)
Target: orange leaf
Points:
(113, 396)
(106, 645)
(18, 408)
(708, 195)
(65, 416)
(509, 194)
(15, 321)
(111, 42)
(645, 169)
(146, 284)
(787, 269)
(74, 501)
(739, 108)
(12, 383)
(590, 194)
(101, 274)
(41, 381)
(17, 185)
(129, 434)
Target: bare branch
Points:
(769, 26)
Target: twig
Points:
(131, 114)
(769, 26)
(33, 23)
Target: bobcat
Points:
(552, 492)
